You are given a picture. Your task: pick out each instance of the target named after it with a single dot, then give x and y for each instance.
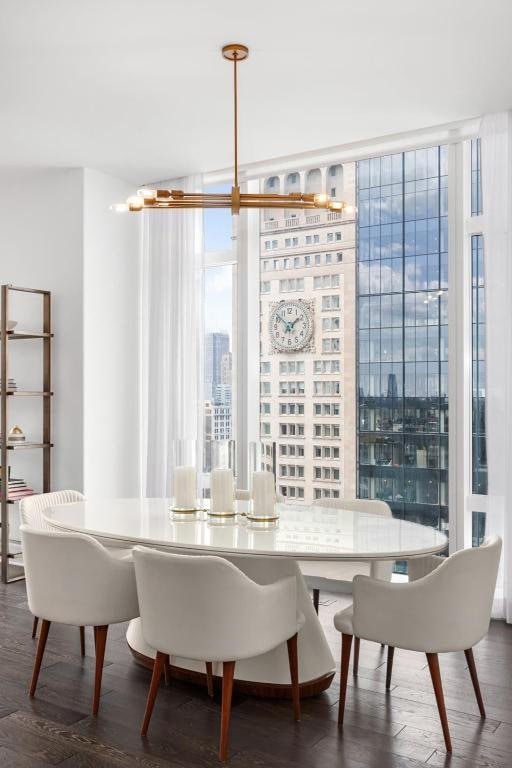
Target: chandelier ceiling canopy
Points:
(168, 199)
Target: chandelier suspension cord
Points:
(235, 85)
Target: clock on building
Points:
(291, 325)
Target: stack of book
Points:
(16, 488)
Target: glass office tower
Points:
(402, 332)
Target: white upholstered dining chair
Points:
(32, 509)
(205, 608)
(447, 610)
(337, 577)
(73, 579)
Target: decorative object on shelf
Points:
(16, 487)
(163, 199)
(185, 491)
(15, 441)
(16, 435)
(291, 325)
(222, 493)
(263, 500)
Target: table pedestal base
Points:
(247, 687)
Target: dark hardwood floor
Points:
(399, 729)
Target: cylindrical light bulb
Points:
(135, 203)
(349, 209)
(335, 205)
(320, 199)
(119, 207)
(149, 195)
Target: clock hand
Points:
(287, 324)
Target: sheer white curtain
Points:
(496, 137)
(171, 341)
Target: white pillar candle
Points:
(263, 494)
(222, 491)
(185, 487)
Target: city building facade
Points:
(402, 363)
(307, 394)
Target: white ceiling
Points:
(138, 87)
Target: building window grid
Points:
(476, 177)
(479, 468)
(403, 459)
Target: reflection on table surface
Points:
(302, 531)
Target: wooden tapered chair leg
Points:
(435, 674)
(167, 670)
(316, 599)
(474, 679)
(34, 626)
(389, 666)
(209, 678)
(41, 645)
(293, 660)
(228, 671)
(158, 668)
(355, 668)
(82, 641)
(101, 641)
(346, 645)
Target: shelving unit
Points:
(10, 571)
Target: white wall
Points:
(41, 247)
(57, 233)
(111, 340)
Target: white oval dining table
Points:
(302, 533)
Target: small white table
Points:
(303, 533)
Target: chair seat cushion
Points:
(343, 620)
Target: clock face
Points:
(290, 325)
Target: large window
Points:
(218, 423)
(479, 463)
(363, 408)
(478, 378)
(403, 333)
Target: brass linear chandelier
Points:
(160, 199)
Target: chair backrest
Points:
(204, 607)
(241, 494)
(372, 506)
(447, 610)
(32, 508)
(460, 593)
(71, 578)
(379, 569)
